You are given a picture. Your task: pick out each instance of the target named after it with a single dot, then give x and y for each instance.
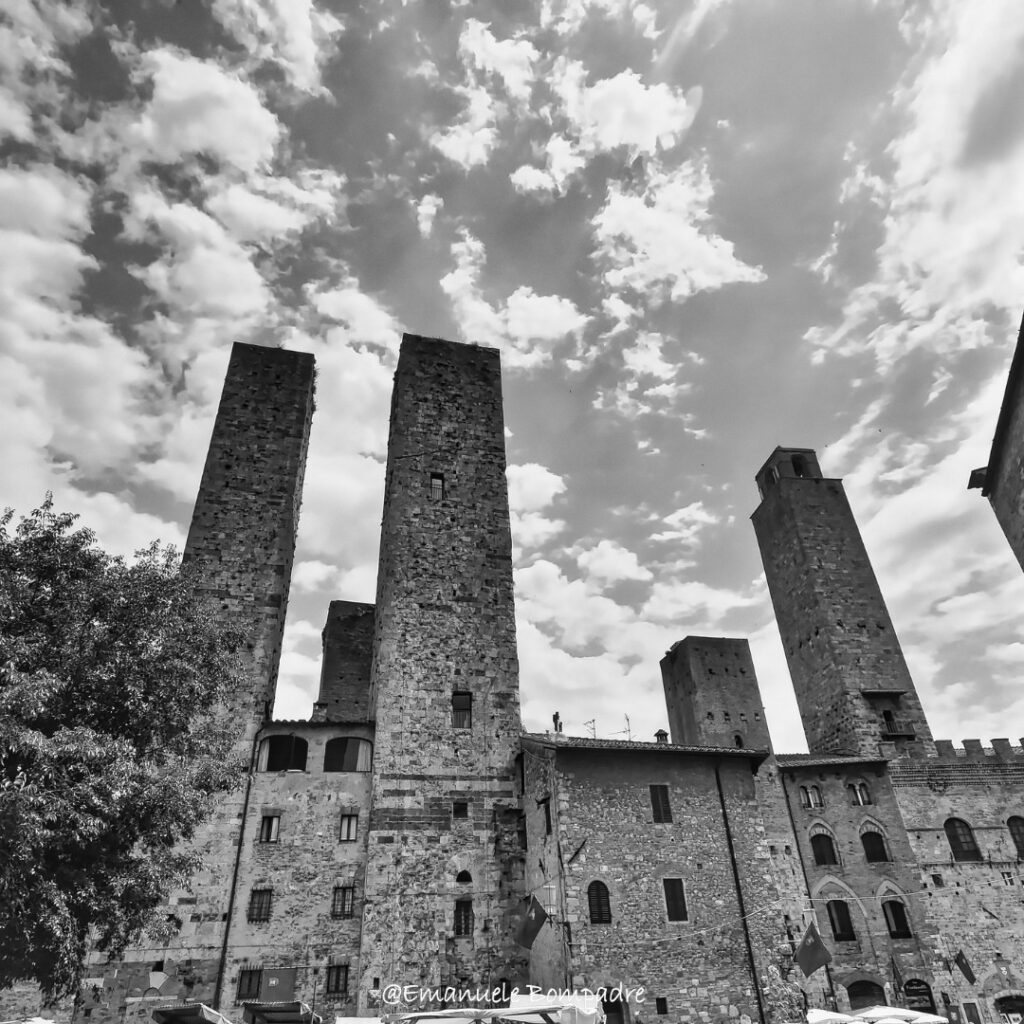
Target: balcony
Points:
(898, 729)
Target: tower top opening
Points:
(795, 463)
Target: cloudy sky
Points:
(695, 230)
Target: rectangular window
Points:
(546, 804)
(259, 904)
(659, 803)
(462, 710)
(460, 809)
(675, 899)
(249, 979)
(349, 827)
(343, 901)
(337, 980)
(270, 826)
(436, 486)
(463, 917)
(661, 1005)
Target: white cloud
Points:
(687, 523)
(365, 320)
(512, 60)
(426, 210)
(610, 562)
(532, 487)
(470, 140)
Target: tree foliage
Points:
(111, 741)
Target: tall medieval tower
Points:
(851, 681)
(444, 868)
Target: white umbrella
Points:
(878, 1013)
(815, 1016)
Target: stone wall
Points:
(347, 658)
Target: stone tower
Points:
(444, 869)
(851, 681)
(712, 695)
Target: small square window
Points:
(349, 828)
(463, 918)
(249, 983)
(437, 486)
(462, 710)
(343, 901)
(661, 1005)
(259, 904)
(938, 882)
(660, 805)
(270, 826)
(337, 980)
(1007, 877)
(460, 809)
(675, 899)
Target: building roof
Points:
(588, 743)
(307, 724)
(1005, 413)
(824, 760)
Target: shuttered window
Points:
(660, 804)
(675, 899)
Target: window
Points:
(805, 797)
(896, 919)
(349, 828)
(816, 800)
(738, 740)
(249, 979)
(436, 486)
(546, 804)
(1016, 827)
(839, 918)
(938, 882)
(874, 847)
(824, 849)
(344, 900)
(961, 840)
(859, 794)
(269, 828)
(460, 809)
(675, 899)
(463, 878)
(348, 754)
(283, 754)
(660, 804)
(462, 710)
(259, 904)
(661, 1005)
(337, 980)
(463, 918)
(799, 465)
(600, 905)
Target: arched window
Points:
(805, 797)
(874, 847)
(824, 849)
(896, 919)
(859, 794)
(864, 994)
(463, 878)
(799, 465)
(1016, 827)
(282, 754)
(347, 754)
(600, 905)
(738, 739)
(816, 800)
(961, 840)
(839, 918)
(865, 793)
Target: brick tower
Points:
(444, 867)
(851, 681)
(712, 696)
(242, 538)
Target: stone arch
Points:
(869, 823)
(889, 888)
(819, 826)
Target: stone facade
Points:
(399, 835)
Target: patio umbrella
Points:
(877, 1013)
(815, 1016)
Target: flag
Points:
(811, 953)
(531, 923)
(965, 968)
(897, 977)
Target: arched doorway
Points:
(865, 993)
(1010, 1009)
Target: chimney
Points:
(661, 736)
(557, 721)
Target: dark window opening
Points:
(463, 878)
(799, 465)
(1016, 827)
(738, 739)
(661, 1005)
(249, 980)
(462, 710)
(660, 805)
(337, 980)
(839, 918)
(460, 809)
(343, 901)
(824, 849)
(347, 754)
(437, 486)
(546, 804)
(270, 826)
(349, 828)
(675, 899)
(874, 847)
(896, 919)
(962, 843)
(283, 754)
(599, 903)
(463, 918)
(865, 993)
(938, 882)
(259, 904)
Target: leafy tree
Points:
(112, 743)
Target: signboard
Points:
(917, 995)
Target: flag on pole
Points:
(965, 968)
(811, 953)
(531, 923)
